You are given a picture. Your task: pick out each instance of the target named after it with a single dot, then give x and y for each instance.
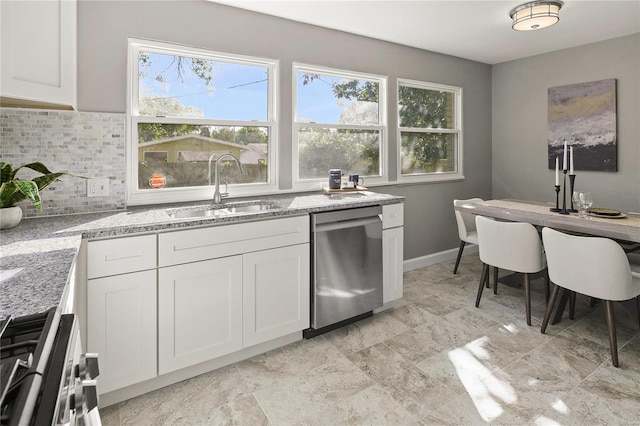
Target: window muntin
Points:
(429, 132)
(196, 105)
(339, 122)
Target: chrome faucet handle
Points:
(225, 194)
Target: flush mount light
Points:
(535, 15)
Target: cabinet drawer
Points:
(392, 215)
(121, 255)
(226, 240)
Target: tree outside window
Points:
(429, 128)
(339, 122)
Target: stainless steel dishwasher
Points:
(346, 277)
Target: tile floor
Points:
(434, 359)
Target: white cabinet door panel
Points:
(121, 327)
(392, 259)
(200, 306)
(276, 293)
(39, 51)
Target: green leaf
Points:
(6, 172)
(18, 190)
(13, 191)
(44, 181)
(37, 166)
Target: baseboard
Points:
(432, 259)
(119, 395)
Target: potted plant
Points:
(14, 190)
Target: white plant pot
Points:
(10, 217)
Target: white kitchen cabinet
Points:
(254, 287)
(275, 293)
(392, 258)
(227, 240)
(392, 252)
(200, 312)
(121, 328)
(38, 53)
(121, 255)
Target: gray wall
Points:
(519, 104)
(103, 28)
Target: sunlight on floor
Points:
(486, 391)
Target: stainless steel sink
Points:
(258, 206)
(205, 212)
(227, 209)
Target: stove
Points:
(44, 378)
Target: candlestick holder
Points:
(557, 208)
(564, 194)
(572, 180)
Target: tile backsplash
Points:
(81, 143)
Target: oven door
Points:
(69, 395)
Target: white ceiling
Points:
(474, 29)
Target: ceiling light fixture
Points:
(535, 15)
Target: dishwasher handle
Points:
(344, 224)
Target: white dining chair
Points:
(466, 227)
(593, 266)
(513, 246)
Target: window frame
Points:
(313, 184)
(458, 174)
(136, 196)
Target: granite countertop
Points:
(42, 250)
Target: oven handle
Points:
(343, 224)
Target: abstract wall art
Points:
(585, 116)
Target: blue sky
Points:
(239, 91)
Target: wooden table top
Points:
(627, 228)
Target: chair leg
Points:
(495, 280)
(527, 298)
(546, 285)
(550, 305)
(572, 304)
(611, 324)
(455, 268)
(483, 277)
(592, 302)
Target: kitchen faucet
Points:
(217, 197)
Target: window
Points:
(189, 106)
(340, 122)
(429, 131)
(155, 156)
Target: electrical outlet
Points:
(98, 187)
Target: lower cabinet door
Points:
(199, 312)
(121, 328)
(276, 293)
(392, 259)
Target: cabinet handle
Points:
(107, 259)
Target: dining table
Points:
(624, 228)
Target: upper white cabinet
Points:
(38, 53)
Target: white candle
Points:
(571, 164)
(557, 171)
(564, 158)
